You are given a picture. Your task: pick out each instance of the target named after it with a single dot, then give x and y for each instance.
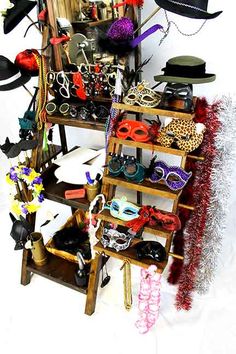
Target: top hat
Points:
(188, 8)
(185, 69)
(11, 76)
(17, 13)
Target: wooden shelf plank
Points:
(148, 146)
(53, 151)
(158, 231)
(91, 23)
(130, 254)
(76, 123)
(58, 270)
(158, 190)
(153, 111)
(56, 191)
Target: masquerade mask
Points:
(137, 131)
(142, 95)
(20, 231)
(151, 249)
(177, 96)
(166, 220)
(154, 217)
(115, 239)
(132, 170)
(185, 134)
(123, 210)
(174, 177)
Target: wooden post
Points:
(93, 284)
(25, 274)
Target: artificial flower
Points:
(25, 170)
(31, 208)
(9, 180)
(40, 198)
(32, 179)
(4, 6)
(37, 180)
(16, 207)
(33, 174)
(38, 188)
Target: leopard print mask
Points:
(186, 134)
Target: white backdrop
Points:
(45, 316)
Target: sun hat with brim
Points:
(185, 69)
(17, 13)
(188, 8)
(11, 76)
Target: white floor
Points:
(46, 317)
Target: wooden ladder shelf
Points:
(109, 189)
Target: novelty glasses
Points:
(132, 170)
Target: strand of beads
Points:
(149, 299)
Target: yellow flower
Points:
(15, 207)
(9, 180)
(31, 176)
(38, 188)
(32, 208)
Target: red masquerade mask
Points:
(137, 131)
(154, 217)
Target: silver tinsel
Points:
(221, 183)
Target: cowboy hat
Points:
(185, 69)
(189, 8)
(11, 76)
(17, 13)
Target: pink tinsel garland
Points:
(193, 233)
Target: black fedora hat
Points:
(185, 69)
(17, 13)
(11, 76)
(188, 8)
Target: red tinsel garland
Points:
(186, 198)
(194, 229)
(184, 215)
